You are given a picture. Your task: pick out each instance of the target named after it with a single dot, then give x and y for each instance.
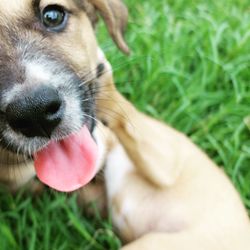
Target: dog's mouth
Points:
(66, 161)
(57, 137)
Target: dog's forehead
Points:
(14, 7)
(17, 8)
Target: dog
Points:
(164, 193)
(48, 70)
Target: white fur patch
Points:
(37, 72)
(102, 59)
(101, 148)
(118, 165)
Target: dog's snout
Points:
(37, 113)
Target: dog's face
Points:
(48, 61)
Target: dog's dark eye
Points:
(54, 18)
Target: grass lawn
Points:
(190, 68)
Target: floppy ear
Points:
(115, 15)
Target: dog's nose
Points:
(38, 113)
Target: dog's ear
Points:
(115, 15)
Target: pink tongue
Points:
(68, 164)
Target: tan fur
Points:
(174, 197)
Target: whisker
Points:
(114, 69)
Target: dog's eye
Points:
(54, 18)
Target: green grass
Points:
(190, 68)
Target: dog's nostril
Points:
(53, 108)
(21, 124)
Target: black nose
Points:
(37, 113)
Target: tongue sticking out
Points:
(68, 164)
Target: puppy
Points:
(163, 191)
(48, 72)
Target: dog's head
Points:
(48, 68)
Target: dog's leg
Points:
(141, 218)
(183, 241)
(182, 174)
(163, 241)
(154, 147)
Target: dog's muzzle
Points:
(41, 98)
(47, 114)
